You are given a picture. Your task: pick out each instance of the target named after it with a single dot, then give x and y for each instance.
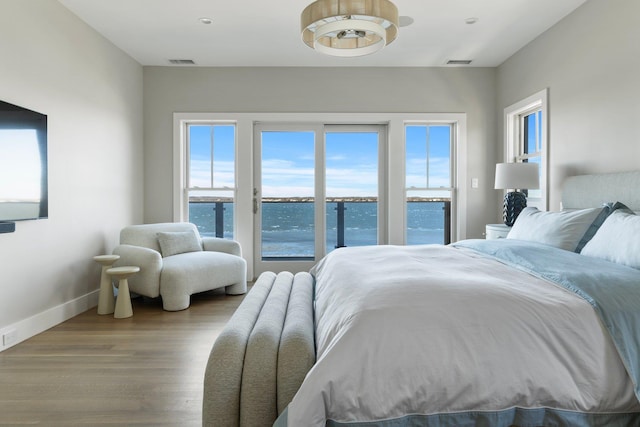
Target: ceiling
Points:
(267, 33)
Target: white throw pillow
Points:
(617, 240)
(559, 229)
(178, 242)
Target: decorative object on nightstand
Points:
(496, 231)
(123, 302)
(106, 300)
(518, 177)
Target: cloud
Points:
(200, 174)
(439, 172)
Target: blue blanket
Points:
(613, 290)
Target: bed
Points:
(541, 328)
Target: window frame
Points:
(453, 131)
(188, 188)
(181, 170)
(514, 140)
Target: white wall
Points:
(314, 90)
(590, 61)
(53, 63)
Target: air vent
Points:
(182, 61)
(459, 62)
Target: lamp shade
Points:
(517, 176)
(349, 27)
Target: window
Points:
(317, 188)
(428, 183)
(287, 189)
(210, 181)
(352, 193)
(531, 143)
(526, 140)
(350, 179)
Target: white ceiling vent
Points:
(182, 62)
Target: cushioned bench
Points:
(263, 354)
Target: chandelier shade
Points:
(349, 27)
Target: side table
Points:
(123, 302)
(106, 300)
(496, 231)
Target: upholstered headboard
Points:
(589, 191)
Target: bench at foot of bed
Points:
(263, 353)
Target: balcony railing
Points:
(350, 221)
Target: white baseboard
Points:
(27, 328)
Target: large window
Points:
(526, 140)
(211, 178)
(292, 187)
(428, 183)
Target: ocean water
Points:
(288, 227)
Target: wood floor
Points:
(94, 370)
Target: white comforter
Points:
(432, 329)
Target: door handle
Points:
(255, 200)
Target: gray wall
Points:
(355, 90)
(590, 61)
(53, 63)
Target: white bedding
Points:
(432, 329)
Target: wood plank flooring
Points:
(95, 370)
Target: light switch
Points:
(474, 182)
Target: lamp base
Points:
(514, 202)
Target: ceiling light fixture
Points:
(349, 27)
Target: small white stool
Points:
(106, 300)
(123, 302)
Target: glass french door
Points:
(317, 188)
(352, 190)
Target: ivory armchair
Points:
(176, 262)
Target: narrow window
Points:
(211, 178)
(352, 176)
(287, 186)
(428, 183)
(531, 143)
(526, 140)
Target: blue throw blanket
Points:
(613, 290)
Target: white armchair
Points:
(175, 262)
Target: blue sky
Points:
(433, 156)
(200, 146)
(351, 160)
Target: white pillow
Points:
(617, 240)
(559, 229)
(178, 242)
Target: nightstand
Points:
(496, 231)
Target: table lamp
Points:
(515, 176)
